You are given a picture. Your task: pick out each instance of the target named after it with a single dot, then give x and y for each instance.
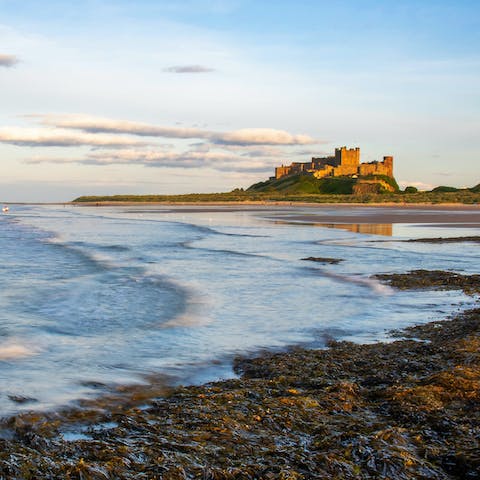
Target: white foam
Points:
(12, 350)
(370, 282)
(186, 320)
(378, 287)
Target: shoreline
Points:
(273, 203)
(322, 214)
(257, 203)
(405, 409)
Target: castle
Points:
(345, 162)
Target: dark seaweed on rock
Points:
(473, 239)
(333, 261)
(436, 279)
(409, 409)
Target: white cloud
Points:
(257, 150)
(219, 161)
(104, 125)
(8, 60)
(243, 137)
(419, 185)
(188, 69)
(262, 136)
(29, 137)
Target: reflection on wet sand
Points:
(385, 229)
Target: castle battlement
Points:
(345, 162)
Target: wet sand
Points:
(467, 216)
(447, 216)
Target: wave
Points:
(222, 251)
(90, 254)
(114, 248)
(372, 283)
(79, 244)
(186, 320)
(113, 304)
(194, 308)
(213, 231)
(89, 258)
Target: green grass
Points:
(461, 197)
(306, 184)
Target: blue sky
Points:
(199, 96)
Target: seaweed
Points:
(433, 279)
(332, 261)
(472, 239)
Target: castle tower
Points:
(388, 165)
(347, 160)
(282, 171)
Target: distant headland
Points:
(338, 178)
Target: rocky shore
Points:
(409, 409)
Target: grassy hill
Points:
(301, 184)
(298, 184)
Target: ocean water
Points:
(109, 296)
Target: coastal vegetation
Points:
(400, 410)
(305, 188)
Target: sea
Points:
(93, 298)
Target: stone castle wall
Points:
(326, 171)
(377, 168)
(346, 162)
(282, 171)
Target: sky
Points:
(159, 96)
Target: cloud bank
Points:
(242, 137)
(8, 60)
(117, 142)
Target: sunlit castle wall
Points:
(377, 168)
(282, 171)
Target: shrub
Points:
(445, 189)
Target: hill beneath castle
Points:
(308, 184)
